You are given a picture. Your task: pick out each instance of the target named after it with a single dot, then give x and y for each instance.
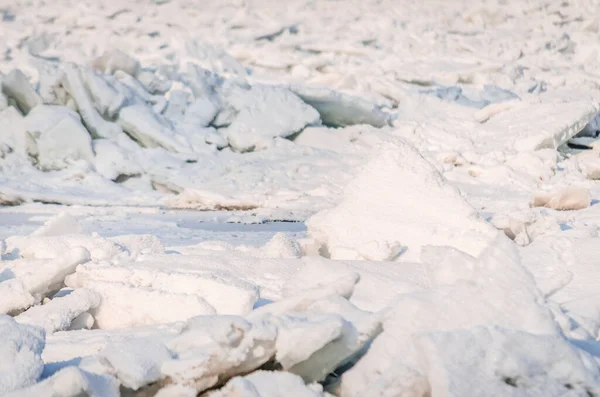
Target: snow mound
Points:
(113, 160)
(21, 347)
(62, 223)
(564, 268)
(506, 362)
(398, 202)
(282, 246)
(478, 298)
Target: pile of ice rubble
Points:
(459, 312)
(155, 130)
(115, 133)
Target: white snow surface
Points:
(398, 202)
(291, 198)
(21, 347)
(59, 313)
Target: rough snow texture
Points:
(506, 363)
(20, 355)
(282, 246)
(264, 111)
(183, 100)
(118, 124)
(443, 308)
(207, 351)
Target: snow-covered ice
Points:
(398, 203)
(21, 349)
(61, 312)
(266, 199)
